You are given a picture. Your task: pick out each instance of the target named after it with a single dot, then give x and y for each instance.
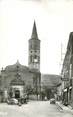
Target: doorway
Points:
(17, 94)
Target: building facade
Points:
(67, 74)
(50, 86)
(17, 80)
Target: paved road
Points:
(32, 109)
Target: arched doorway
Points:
(17, 94)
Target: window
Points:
(70, 82)
(70, 94)
(35, 51)
(30, 58)
(31, 51)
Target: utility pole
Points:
(62, 56)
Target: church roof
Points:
(34, 32)
(16, 66)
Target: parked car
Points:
(52, 101)
(22, 100)
(12, 101)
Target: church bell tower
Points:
(34, 50)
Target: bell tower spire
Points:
(34, 32)
(34, 50)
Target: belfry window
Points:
(35, 56)
(31, 51)
(30, 58)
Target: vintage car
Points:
(52, 101)
(12, 101)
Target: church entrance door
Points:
(17, 94)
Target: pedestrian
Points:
(19, 102)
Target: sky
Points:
(54, 22)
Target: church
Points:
(16, 80)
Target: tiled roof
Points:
(50, 80)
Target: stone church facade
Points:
(17, 80)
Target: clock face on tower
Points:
(35, 60)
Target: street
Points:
(32, 109)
